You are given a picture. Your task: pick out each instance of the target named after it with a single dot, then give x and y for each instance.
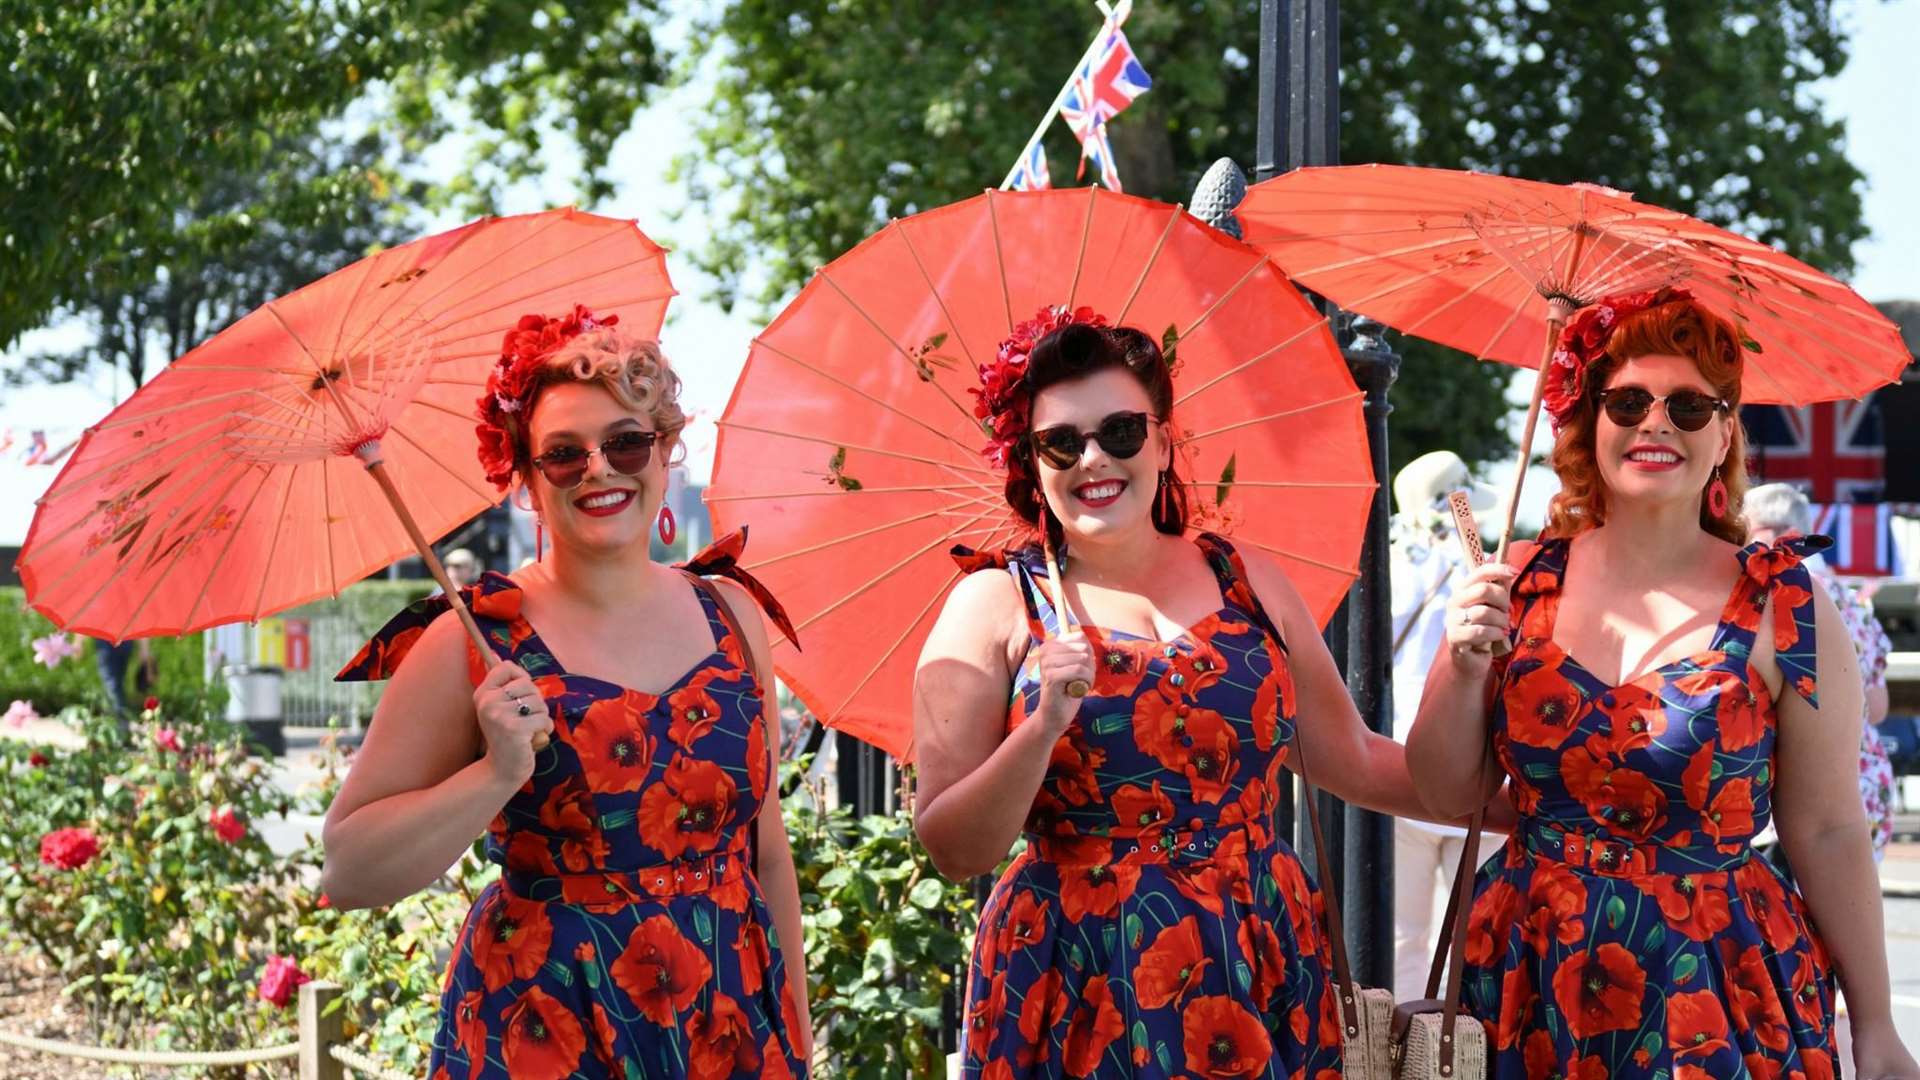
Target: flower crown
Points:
(1584, 340)
(533, 339)
(1002, 401)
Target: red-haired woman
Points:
(1667, 690)
(1154, 926)
(647, 919)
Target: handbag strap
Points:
(1453, 932)
(712, 593)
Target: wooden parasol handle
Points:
(1557, 314)
(1078, 688)
(369, 455)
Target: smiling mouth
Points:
(604, 503)
(1100, 493)
(1654, 457)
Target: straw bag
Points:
(1426, 1039)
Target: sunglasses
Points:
(1689, 410)
(1120, 435)
(626, 453)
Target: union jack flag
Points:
(1105, 84)
(1031, 173)
(1862, 536)
(1834, 451)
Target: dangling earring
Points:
(1717, 495)
(539, 538)
(668, 529)
(1163, 499)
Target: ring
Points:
(1078, 688)
(526, 709)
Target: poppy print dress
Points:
(1630, 931)
(1154, 926)
(626, 936)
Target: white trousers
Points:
(1424, 862)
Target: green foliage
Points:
(162, 935)
(831, 116)
(179, 680)
(886, 938)
(122, 120)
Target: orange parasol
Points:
(852, 445)
(229, 487)
(1494, 266)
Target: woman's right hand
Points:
(512, 735)
(1477, 617)
(1061, 661)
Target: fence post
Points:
(320, 1030)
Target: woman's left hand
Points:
(1878, 1054)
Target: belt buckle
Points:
(1609, 858)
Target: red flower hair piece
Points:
(1584, 340)
(1002, 400)
(502, 407)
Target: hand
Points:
(1477, 617)
(1879, 1055)
(1062, 661)
(514, 721)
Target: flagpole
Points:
(1116, 16)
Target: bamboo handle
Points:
(1078, 688)
(377, 469)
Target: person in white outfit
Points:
(1426, 563)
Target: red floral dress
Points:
(1629, 931)
(1154, 926)
(626, 936)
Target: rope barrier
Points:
(363, 1065)
(153, 1057)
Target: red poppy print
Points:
(720, 1042)
(470, 1031)
(1146, 811)
(568, 814)
(1517, 1001)
(611, 738)
(1044, 1008)
(1556, 906)
(1695, 781)
(1191, 671)
(1730, 817)
(1095, 890)
(688, 810)
(1174, 966)
(1635, 718)
(605, 1039)
(1752, 998)
(511, 939)
(1273, 700)
(1093, 1026)
(660, 970)
(1696, 1024)
(1494, 914)
(1696, 905)
(1224, 1040)
(543, 1039)
(1544, 709)
(1787, 601)
(1624, 798)
(1767, 905)
(753, 955)
(1071, 770)
(1118, 667)
(1809, 999)
(1599, 990)
(694, 710)
(1539, 1058)
(758, 762)
(1026, 921)
(1260, 947)
(984, 1015)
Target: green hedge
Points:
(178, 664)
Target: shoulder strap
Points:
(1457, 911)
(719, 602)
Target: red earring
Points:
(1717, 500)
(668, 529)
(539, 539)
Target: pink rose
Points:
(69, 849)
(167, 739)
(227, 825)
(280, 979)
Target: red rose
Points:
(69, 849)
(227, 825)
(280, 979)
(152, 704)
(36, 759)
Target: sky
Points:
(1874, 93)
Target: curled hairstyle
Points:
(1076, 351)
(1682, 328)
(632, 369)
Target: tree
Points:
(120, 118)
(831, 116)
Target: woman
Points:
(1776, 510)
(647, 920)
(1154, 926)
(1666, 689)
